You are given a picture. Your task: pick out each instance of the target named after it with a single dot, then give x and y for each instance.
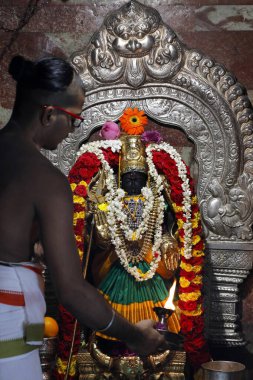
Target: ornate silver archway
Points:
(134, 59)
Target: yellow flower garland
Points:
(62, 366)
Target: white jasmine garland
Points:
(96, 146)
(117, 219)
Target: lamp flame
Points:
(169, 303)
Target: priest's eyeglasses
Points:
(76, 119)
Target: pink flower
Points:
(151, 136)
(110, 131)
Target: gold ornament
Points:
(170, 252)
(133, 157)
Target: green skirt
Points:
(133, 299)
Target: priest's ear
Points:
(47, 115)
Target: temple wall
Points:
(220, 28)
(61, 27)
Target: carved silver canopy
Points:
(134, 59)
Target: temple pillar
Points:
(228, 265)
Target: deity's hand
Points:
(170, 252)
(101, 225)
(149, 341)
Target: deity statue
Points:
(137, 227)
(133, 229)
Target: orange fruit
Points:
(51, 327)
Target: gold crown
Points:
(133, 157)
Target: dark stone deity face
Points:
(133, 182)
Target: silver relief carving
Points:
(242, 260)
(132, 46)
(228, 210)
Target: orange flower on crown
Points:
(133, 121)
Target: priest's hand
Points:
(147, 340)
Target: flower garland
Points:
(185, 191)
(161, 159)
(66, 324)
(116, 215)
(122, 251)
(185, 206)
(79, 177)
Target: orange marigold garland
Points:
(133, 121)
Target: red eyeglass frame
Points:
(74, 115)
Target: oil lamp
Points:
(163, 313)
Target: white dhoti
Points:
(22, 309)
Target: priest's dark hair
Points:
(50, 74)
(40, 82)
